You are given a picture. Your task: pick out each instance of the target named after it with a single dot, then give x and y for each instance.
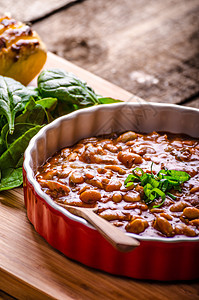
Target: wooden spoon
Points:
(115, 236)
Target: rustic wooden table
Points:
(147, 47)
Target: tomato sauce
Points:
(93, 172)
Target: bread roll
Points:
(22, 53)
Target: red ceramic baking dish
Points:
(155, 258)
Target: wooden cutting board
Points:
(31, 269)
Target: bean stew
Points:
(95, 171)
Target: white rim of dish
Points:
(31, 178)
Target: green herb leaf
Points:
(159, 185)
(179, 176)
(171, 195)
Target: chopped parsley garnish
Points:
(157, 186)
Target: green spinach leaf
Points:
(36, 111)
(11, 178)
(49, 105)
(23, 111)
(66, 87)
(20, 130)
(107, 100)
(33, 113)
(3, 121)
(13, 98)
(13, 156)
(2, 145)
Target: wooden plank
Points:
(41, 272)
(147, 47)
(100, 85)
(31, 269)
(27, 10)
(194, 103)
(5, 296)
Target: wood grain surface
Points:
(32, 269)
(148, 47)
(28, 10)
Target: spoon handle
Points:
(115, 236)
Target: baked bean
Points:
(90, 196)
(111, 215)
(72, 157)
(194, 189)
(117, 197)
(137, 205)
(49, 175)
(75, 165)
(116, 169)
(128, 158)
(113, 185)
(54, 185)
(140, 190)
(130, 206)
(79, 149)
(104, 159)
(94, 182)
(162, 138)
(130, 143)
(191, 212)
(183, 229)
(127, 136)
(109, 174)
(96, 168)
(184, 219)
(166, 216)
(76, 177)
(89, 140)
(89, 175)
(64, 173)
(136, 226)
(101, 170)
(128, 188)
(147, 158)
(194, 222)
(188, 143)
(86, 187)
(65, 152)
(143, 206)
(157, 210)
(105, 181)
(111, 148)
(100, 150)
(178, 206)
(164, 226)
(132, 197)
(89, 145)
(145, 150)
(118, 224)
